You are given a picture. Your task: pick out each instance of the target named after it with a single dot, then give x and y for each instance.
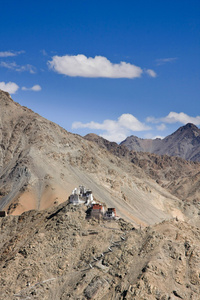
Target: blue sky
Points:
(115, 68)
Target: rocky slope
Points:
(180, 177)
(185, 143)
(61, 256)
(53, 252)
(41, 163)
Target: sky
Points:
(114, 68)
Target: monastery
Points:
(81, 195)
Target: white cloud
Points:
(99, 66)
(7, 54)
(151, 73)
(9, 87)
(161, 127)
(132, 123)
(35, 88)
(13, 66)
(7, 65)
(162, 61)
(174, 117)
(44, 52)
(158, 137)
(10, 53)
(152, 136)
(115, 130)
(26, 68)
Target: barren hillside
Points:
(49, 250)
(180, 177)
(63, 256)
(41, 163)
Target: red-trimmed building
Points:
(95, 211)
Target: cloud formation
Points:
(162, 61)
(99, 66)
(13, 66)
(117, 130)
(35, 88)
(153, 136)
(174, 117)
(10, 53)
(127, 124)
(9, 87)
(161, 127)
(44, 52)
(151, 73)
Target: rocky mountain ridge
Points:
(184, 142)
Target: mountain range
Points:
(41, 163)
(184, 142)
(49, 250)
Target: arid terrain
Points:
(41, 163)
(61, 255)
(179, 177)
(49, 250)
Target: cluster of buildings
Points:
(81, 195)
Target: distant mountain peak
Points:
(189, 131)
(184, 142)
(189, 126)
